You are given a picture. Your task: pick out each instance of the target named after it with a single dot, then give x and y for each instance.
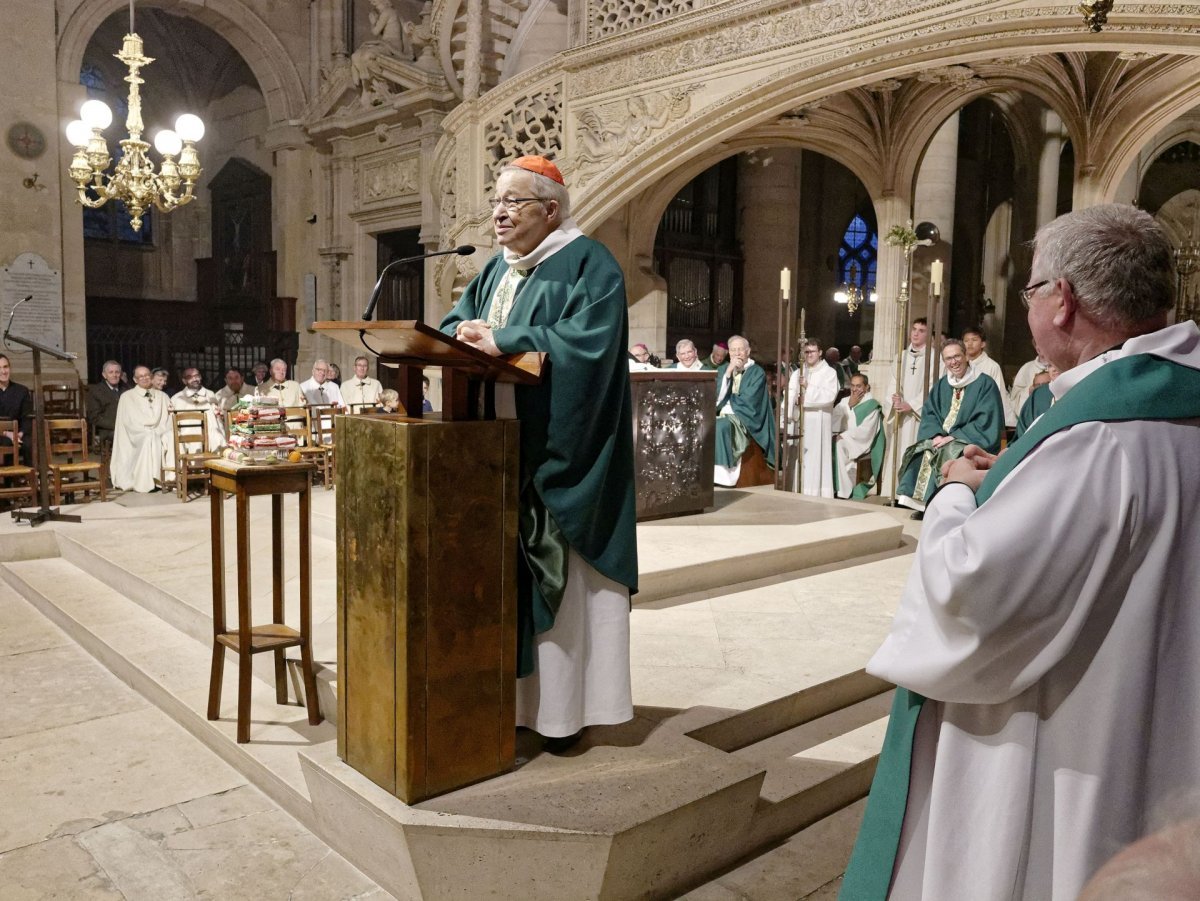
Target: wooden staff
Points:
(781, 387)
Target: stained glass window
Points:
(858, 254)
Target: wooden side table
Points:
(244, 481)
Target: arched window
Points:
(858, 254)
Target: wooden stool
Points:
(245, 481)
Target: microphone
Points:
(463, 250)
(8, 328)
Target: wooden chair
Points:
(61, 400)
(321, 429)
(189, 431)
(12, 471)
(66, 443)
(755, 470)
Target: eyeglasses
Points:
(1029, 290)
(512, 204)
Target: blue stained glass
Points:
(858, 254)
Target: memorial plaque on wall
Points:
(41, 318)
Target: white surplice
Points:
(143, 420)
(287, 392)
(820, 394)
(1023, 381)
(361, 391)
(854, 440)
(321, 393)
(987, 366)
(210, 403)
(226, 399)
(913, 382)
(1056, 630)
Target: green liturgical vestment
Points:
(976, 416)
(1035, 405)
(752, 404)
(577, 488)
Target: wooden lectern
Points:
(427, 553)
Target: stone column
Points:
(935, 192)
(769, 198)
(473, 55)
(1048, 164)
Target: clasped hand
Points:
(478, 334)
(970, 468)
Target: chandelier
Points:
(133, 180)
(851, 294)
(1095, 14)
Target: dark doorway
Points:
(403, 295)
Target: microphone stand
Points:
(44, 512)
(463, 250)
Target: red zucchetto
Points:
(540, 165)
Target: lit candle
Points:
(785, 282)
(935, 276)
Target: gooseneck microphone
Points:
(463, 250)
(8, 328)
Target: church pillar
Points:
(769, 198)
(1048, 163)
(934, 201)
(891, 330)
(473, 56)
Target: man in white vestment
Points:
(975, 342)
(902, 408)
(143, 421)
(1023, 381)
(280, 386)
(362, 389)
(815, 386)
(687, 357)
(857, 420)
(553, 289)
(195, 396)
(1047, 643)
(319, 390)
(235, 389)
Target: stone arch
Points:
(275, 71)
(1177, 133)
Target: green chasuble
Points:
(1141, 386)
(577, 486)
(756, 417)
(972, 414)
(878, 449)
(1038, 402)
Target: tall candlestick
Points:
(935, 276)
(785, 282)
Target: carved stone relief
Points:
(961, 77)
(533, 125)
(385, 179)
(609, 17)
(611, 131)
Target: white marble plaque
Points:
(41, 319)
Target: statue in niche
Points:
(389, 39)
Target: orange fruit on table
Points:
(295, 457)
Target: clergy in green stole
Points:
(853, 441)
(577, 482)
(744, 412)
(963, 408)
(1038, 402)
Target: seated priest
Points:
(686, 355)
(280, 386)
(815, 386)
(235, 389)
(964, 407)
(362, 389)
(554, 290)
(143, 422)
(857, 421)
(195, 397)
(744, 413)
(1039, 400)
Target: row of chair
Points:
(69, 466)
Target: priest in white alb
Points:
(857, 426)
(195, 397)
(902, 407)
(1047, 643)
(1023, 381)
(687, 357)
(139, 441)
(814, 387)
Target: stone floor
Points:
(105, 797)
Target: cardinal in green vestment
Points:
(964, 407)
(554, 290)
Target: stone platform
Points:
(753, 722)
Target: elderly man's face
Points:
(279, 371)
(360, 368)
(955, 359)
(320, 372)
(686, 353)
(191, 378)
(142, 377)
(234, 380)
(522, 228)
(112, 373)
(159, 380)
(260, 372)
(918, 333)
(856, 353)
(739, 353)
(719, 354)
